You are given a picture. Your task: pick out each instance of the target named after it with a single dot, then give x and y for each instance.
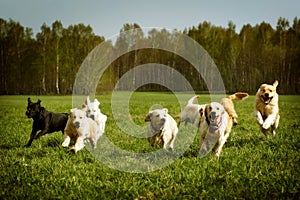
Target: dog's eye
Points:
(270, 90)
(264, 90)
(89, 111)
(218, 108)
(94, 110)
(80, 117)
(157, 115)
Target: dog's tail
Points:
(192, 100)
(238, 96)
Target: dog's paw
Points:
(266, 125)
(260, 121)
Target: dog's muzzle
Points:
(77, 124)
(92, 117)
(266, 98)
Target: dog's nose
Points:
(77, 124)
(93, 117)
(162, 121)
(267, 95)
(213, 115)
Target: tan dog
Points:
(229, 106)
(266, 108)
(192, 112)
(215, 129)
(162, 129)
(80, 128)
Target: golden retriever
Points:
(266, 108)
(214, 129)
(217, 122)
(229, 106)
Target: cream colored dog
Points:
(266, 108)
(192, 112)
(215, 129)
(162, 129)
(80, 128)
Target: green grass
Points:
(250, 166)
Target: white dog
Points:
(192, 113)
(266, 108)
(215, 129)
(162, 129)
(80, 128)
(94, 112)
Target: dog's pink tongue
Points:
(267, 101)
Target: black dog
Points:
(47, 122)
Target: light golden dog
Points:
(214, 129)
(162, 128)
(266, 108)
(80, 128)
(229, 106)
(217, 122)
(192, 112)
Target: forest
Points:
(48, 62)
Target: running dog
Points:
(192, 112)
(229, 106)
(266, 108)
(215, 129)
(94, 112)
(80, 128)
(162, 128)
(43, 120)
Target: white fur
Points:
(80, 128)
(192, 112)
(162, 128)
(93, 111)
(220, 134)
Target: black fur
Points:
(46, 122)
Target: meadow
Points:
(250, 166)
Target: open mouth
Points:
(266, 100)
(214, 121)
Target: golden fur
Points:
(229, 106)
(266, 107)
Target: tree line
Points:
(48, 63)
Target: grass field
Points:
(250, 166)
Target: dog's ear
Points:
(39, 101)
(73, 109)
(148, 117)
(206, 113)
(97, 102)
(87, 101)
(84, 107)
(165, 110)
(275, 84)
(201, 111)
(29, 100)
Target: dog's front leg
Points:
(269, 121)
(32, 137)
(79, 144)
(259, 118)
(67, 140)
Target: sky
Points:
(107, 17)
